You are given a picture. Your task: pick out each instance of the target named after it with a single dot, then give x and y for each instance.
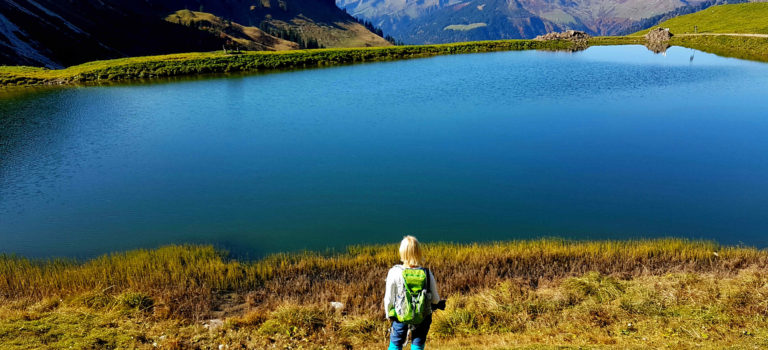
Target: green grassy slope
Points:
(746, 48)
(737, 18)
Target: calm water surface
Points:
(612, 142)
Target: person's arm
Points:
(389, 293)
(433, 288)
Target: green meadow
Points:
(748, 48)
(748, 18)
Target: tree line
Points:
(291, 35)
(376, 30)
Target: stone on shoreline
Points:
(572, 35)
(657, 39)
(337, 306)
(213, 324)
(658, 35)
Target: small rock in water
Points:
(657, 40)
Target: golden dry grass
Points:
(659, 293)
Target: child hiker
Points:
(409, 297)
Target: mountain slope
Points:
(237, 35)
(474, 20)
(433, 21)
(57, 33)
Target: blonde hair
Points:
(410, 253)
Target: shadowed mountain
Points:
(57, 33)
(247, 37)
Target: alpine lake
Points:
(612, 142)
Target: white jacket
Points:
(395, 281)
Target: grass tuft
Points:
(136, 301)
(294, 321)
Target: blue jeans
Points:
(399, 332)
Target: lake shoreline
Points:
(546, 292)
(149, 68)
(189, 64)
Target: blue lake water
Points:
(611, 142)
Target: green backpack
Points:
(413, 301)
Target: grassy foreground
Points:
(544, 293)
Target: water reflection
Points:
(658, 47)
